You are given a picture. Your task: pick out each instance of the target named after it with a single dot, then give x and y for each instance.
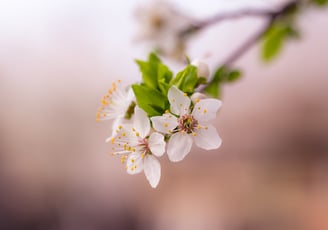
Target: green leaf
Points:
(273, 41)
(151, 101)
(149, 70)
(186, 80)
(164, 76)
(320, 2)
(213, 88)
(201, 81)
(221, 75)
(233, 76)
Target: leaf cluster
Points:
(157, 78)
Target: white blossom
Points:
(162, 25)
(202, 68)
(138, 147)
(185, 126)
(115, 103)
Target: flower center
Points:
(157, 22)
(187, 123)
(144, 147)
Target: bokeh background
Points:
(57, 59)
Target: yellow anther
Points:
(132, 160)
(166, 125)
(204, 111)
(167, 111)
(112, 140)
(123, 134)
(184, 94)
(123, 159)
(199, 127)
(137, 134)
(104, 102)
(120, 127)
(197, 100)
(143, 155)
(194, 134)
(119, 81)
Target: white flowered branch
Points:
(166, 112)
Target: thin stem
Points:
(234, 15)
(248, 44)
(270, 15)
(257, 36)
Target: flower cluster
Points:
(161, 114)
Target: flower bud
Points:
(202, 68)
(197, 96)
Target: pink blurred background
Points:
(57, 58)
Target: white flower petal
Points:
(141, 122)
(165, 123)
(207, 138)
(130, 94)
(115, 103)
(202, 68)
(205, 110)
(179, 146)
(134, 163)
(120, 122)
(152, 169)
(179, 101)
(156, 144)
(196, 97)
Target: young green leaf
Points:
(164, 76)
(186, 80)
(221, 75)
(320, 2)
(151, 101)
(273, 41)
(213, 88)
(149, 70)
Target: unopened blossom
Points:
(162, 25)
(186, 126)
(138, 147)
(196, 97)
(202, 68)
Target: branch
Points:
(256, 37)
(248, 44)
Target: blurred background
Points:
(57, 59)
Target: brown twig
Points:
(271, 17)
